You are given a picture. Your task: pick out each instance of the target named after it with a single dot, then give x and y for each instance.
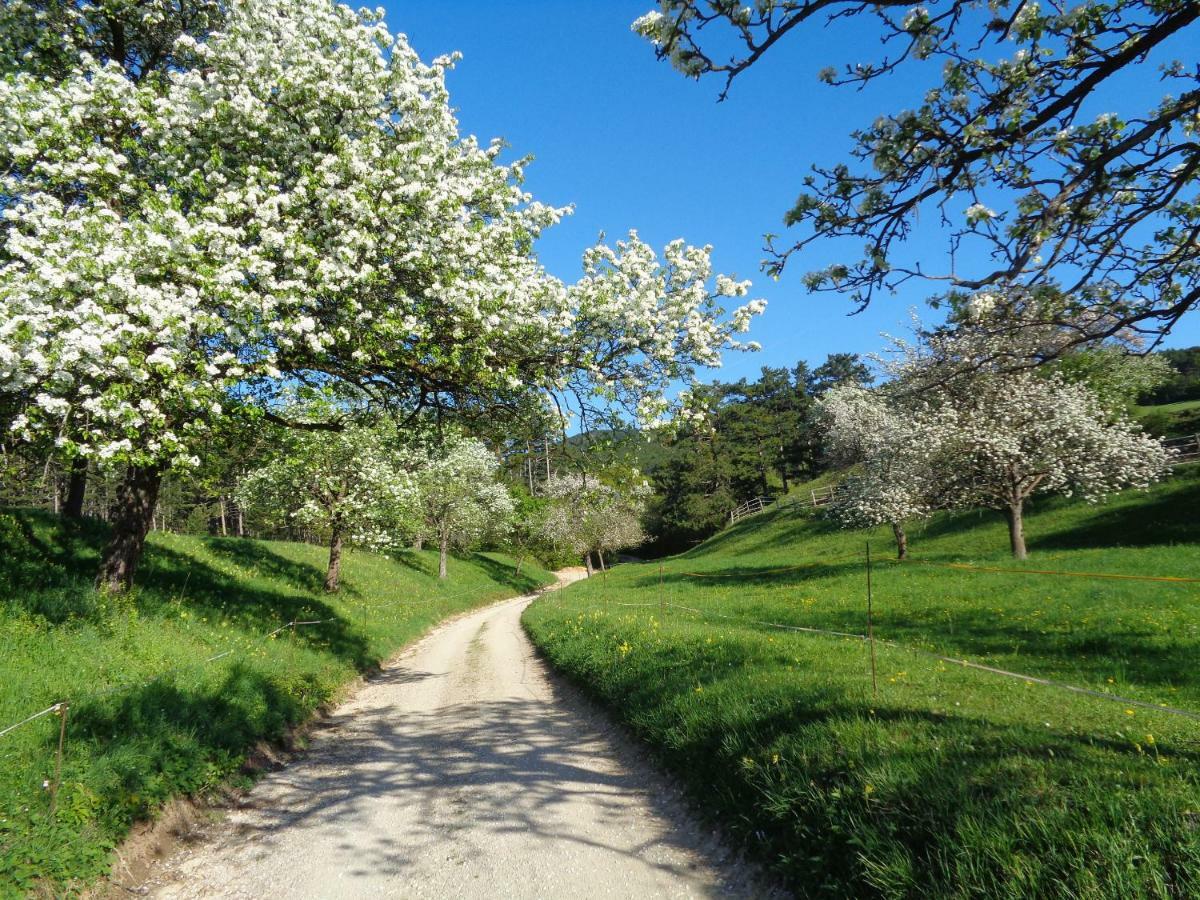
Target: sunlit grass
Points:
(949, 781)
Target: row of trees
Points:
(362, 486)
(756, 438)
(204, 206)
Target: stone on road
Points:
(463, 770)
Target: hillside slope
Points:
(946, 781)
(170, 686)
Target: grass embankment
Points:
(148, 718)
(1171, 419)
(951, 782)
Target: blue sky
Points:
(632, 144)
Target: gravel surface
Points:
(463, 770)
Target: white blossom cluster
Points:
(586, 515)
(294, 197)
(354, 482)
(941, 436)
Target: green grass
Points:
(148, 718)
(951, 782)
(1171, 419)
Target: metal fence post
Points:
(58, 759)
(871, 626)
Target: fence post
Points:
(661, 606)
(871, 626)
(58, 759)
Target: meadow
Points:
(1171, 419)
(152, 714)
(941, 781)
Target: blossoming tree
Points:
(283, 196)
(891, 479)
(1011, 436)
(352, 485)
(590, 517)
(460, 497)
(956, 427)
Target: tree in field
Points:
(1014, 435)
(526, 526)
(587, 516)
(351, 485)
(981, 434)
(892, 478)
(202, 204)
(1028, 148)
(461, 500)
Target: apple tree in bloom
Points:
(891, 478)
(1004, 437)
(587, 516)
(351, 485)
(970, 434)
(257, 194)
(461, 499)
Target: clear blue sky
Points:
(632, 144)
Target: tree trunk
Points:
(224, 518)
(443, 552)
(241, 521)
(333, 575)
(76, 488)
(901, 540)
(587, 559)
(131, 516)
(520, 561)
(419, 544)
(600, 554)
(1016, 528)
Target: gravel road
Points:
(463, 770)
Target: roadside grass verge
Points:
(949, 782)
(149, 719)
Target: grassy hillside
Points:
(1171, 419)
(148, 717)
(950, 782)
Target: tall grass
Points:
(149, 719)
(949, 782)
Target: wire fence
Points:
(869, 637)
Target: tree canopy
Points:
(1028, 148)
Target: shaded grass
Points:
(950, 782)
(149, 718)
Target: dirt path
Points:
(463, 770)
